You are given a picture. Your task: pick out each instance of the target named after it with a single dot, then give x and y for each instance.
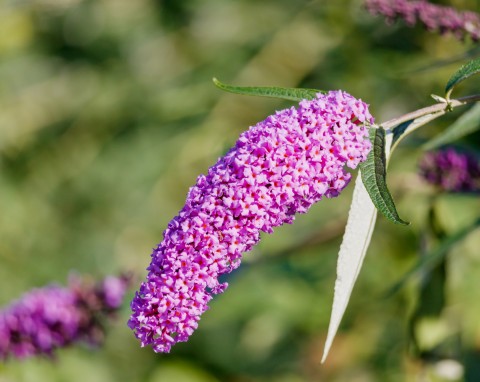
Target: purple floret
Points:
(451, 170)
(52, 317)
(278, 168)
(434, 17)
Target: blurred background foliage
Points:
(108, 114)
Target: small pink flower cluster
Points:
(434, 17)
(451, 170)
(279, 167)
(46, 319)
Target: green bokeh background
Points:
(108, 114)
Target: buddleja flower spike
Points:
(48, 318)
(278, 168)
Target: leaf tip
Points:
(403, 222)
(328, 344)
(324, 357)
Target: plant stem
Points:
(438, 109)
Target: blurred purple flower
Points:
(451, 170)
(278, 168)
(48, 318)
(434, 17)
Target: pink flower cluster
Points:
(279, 167)
(434, 17)
(52, 317)
(451, 170)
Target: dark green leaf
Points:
(401, 130)
(431, 300)
(430, 304)
(467, 123)
(374, 172)
(467, 70)
(429, 261)
(291, 94)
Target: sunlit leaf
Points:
(466, 71)
(467, 123)
(291, 94)
(374, 172)
(358, 232)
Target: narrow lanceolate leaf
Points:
(467, 70)
(358, 232)
(374, 172)
(291, 94)
(467, 123)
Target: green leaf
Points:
(431, 300)
(291, 94)
(467, 70)
(430, 260)
(401, 131)
(467, 123)
(374, 172)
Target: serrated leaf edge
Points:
(371, 176)
(453, 81)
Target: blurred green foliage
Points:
(108, 114)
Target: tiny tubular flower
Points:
(278, 168)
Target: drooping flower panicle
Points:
(451, 170)
(434, 17)
(277, 168)
(48, 318)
